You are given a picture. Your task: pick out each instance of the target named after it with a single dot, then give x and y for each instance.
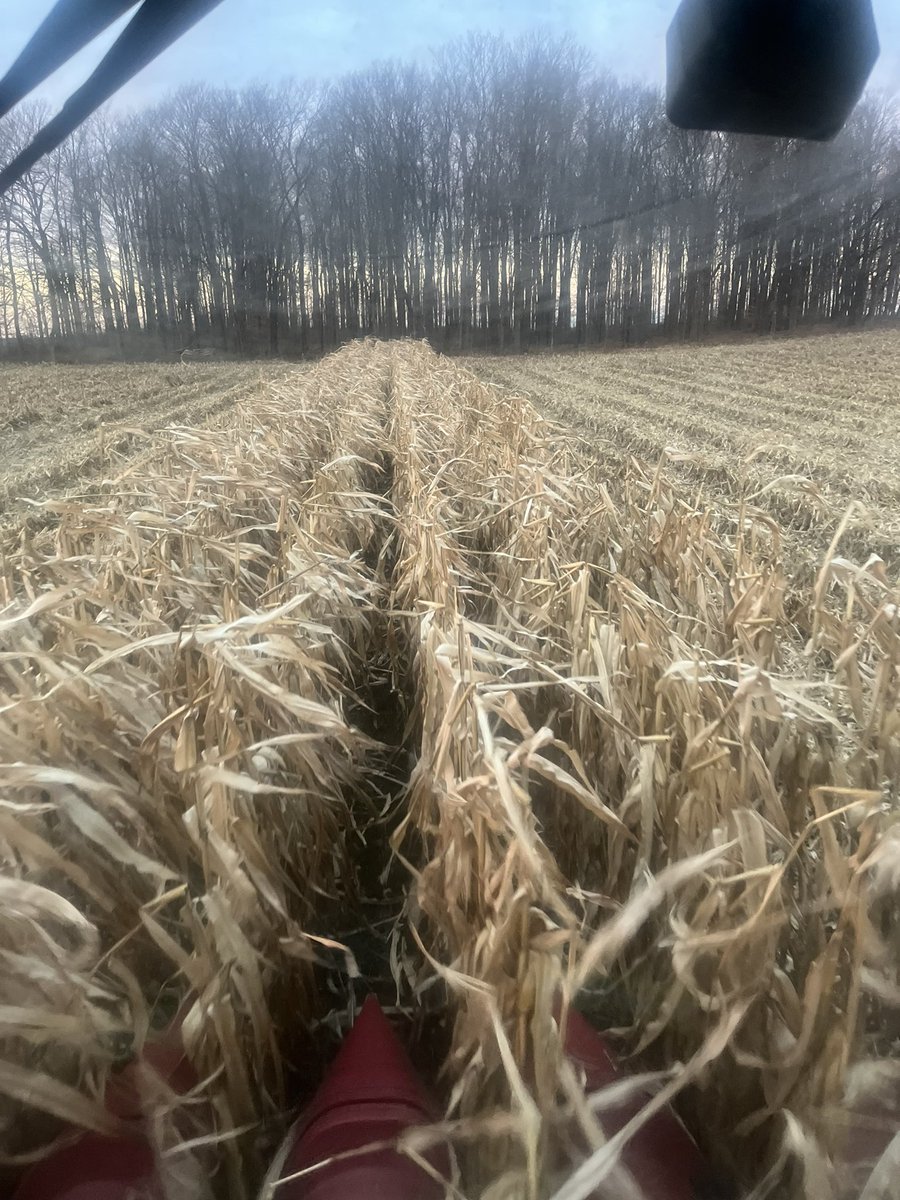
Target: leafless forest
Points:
(502, 196)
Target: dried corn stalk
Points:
(652, 772)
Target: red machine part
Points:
(662, 1157)
(370, 1095)
(94, 1167)
(368, 1098)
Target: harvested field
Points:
(388, 684)
(64, 427)
(802, 429)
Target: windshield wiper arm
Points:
(153, 28)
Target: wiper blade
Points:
(68, 28)
(153, 28)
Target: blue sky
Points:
(247, 40)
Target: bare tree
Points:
(510, 194)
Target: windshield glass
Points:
(449, 548)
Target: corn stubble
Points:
(644, 771)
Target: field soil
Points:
(63, 428)
(805, 429)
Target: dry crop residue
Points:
(63, 427)
(800, 428)
(608, 784)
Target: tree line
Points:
(505, 195)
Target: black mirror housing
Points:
(782, 68)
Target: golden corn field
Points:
(385, 680)
(62, 427)
(806, 427)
